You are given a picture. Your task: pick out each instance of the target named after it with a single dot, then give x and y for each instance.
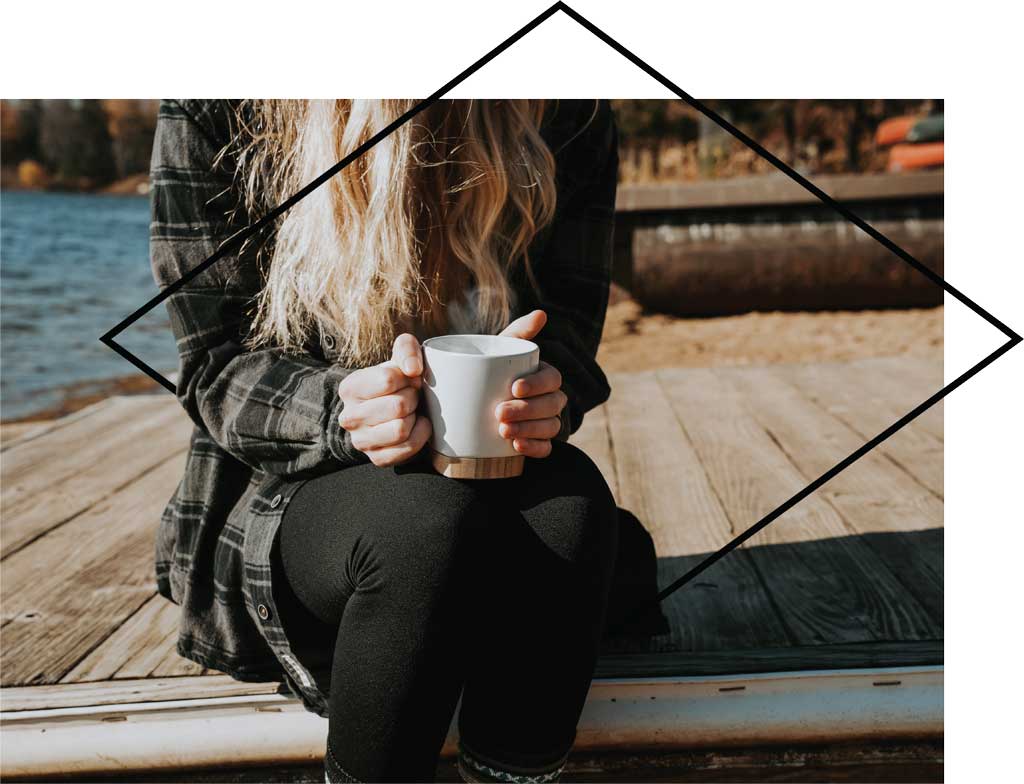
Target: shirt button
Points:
(276, 502)
(263, 612)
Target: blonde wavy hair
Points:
(419, 232)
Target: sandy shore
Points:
(634, 340)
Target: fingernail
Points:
(409, 366)
(506, 430)
(519, 388)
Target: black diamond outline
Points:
(239, 237)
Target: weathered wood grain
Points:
(136, 648)
(49, 480)
(853, 393)
(663, 483)
(68, 590)
(904, 653)
(829, 585)
(876, 498)
(908, 381)
(857, 567)
(173, 666)
(73, 695)
(15, 433)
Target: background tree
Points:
(75, 143)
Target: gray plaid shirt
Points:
(265, 421)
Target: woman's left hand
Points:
(531, 419)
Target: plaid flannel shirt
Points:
(265, 420)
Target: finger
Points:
(540, 407)
(389, 433)
(371, 382)
(532, 447)
(400, 453)
(378, 410)
(527, 326)
(545, 380)
(406, 355)
(535, 428)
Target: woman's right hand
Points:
(379, 406)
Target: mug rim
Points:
(529, 345)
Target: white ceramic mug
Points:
(465, 377)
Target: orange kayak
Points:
(894, 130)
(915, 156)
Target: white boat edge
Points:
(635, 714)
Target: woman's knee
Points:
(421, 526)
(575, 472)
(569, 473)
(364, 527)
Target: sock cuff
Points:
(474, 769)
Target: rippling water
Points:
(71, 267)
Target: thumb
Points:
(405, 354)
(527, 326)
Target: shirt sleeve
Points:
(272, 411)
(573, 266)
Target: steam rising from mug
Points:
(464, 317)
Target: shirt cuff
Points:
(339, 440)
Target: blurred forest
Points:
(105, 144)
(669, 141)
(76, 144)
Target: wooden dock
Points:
(848, 580)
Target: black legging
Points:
(425, 585)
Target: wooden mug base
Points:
(477, 467)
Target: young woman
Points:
(309, 540)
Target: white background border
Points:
(964, 54)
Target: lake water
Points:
(71, 267)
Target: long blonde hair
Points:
(422, 229)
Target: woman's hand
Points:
(379, 410)
(531, 419)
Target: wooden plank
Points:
(12, 432)
(830, 586)
(136, 648)
(15, 433)
(662, 482)
(75, 695)
(847, 391)
(908, 381)
(594, 438)
(68, 590)
(909, 653)
(774, 190)
(50, 479)
(174, 666)
(898, 518)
